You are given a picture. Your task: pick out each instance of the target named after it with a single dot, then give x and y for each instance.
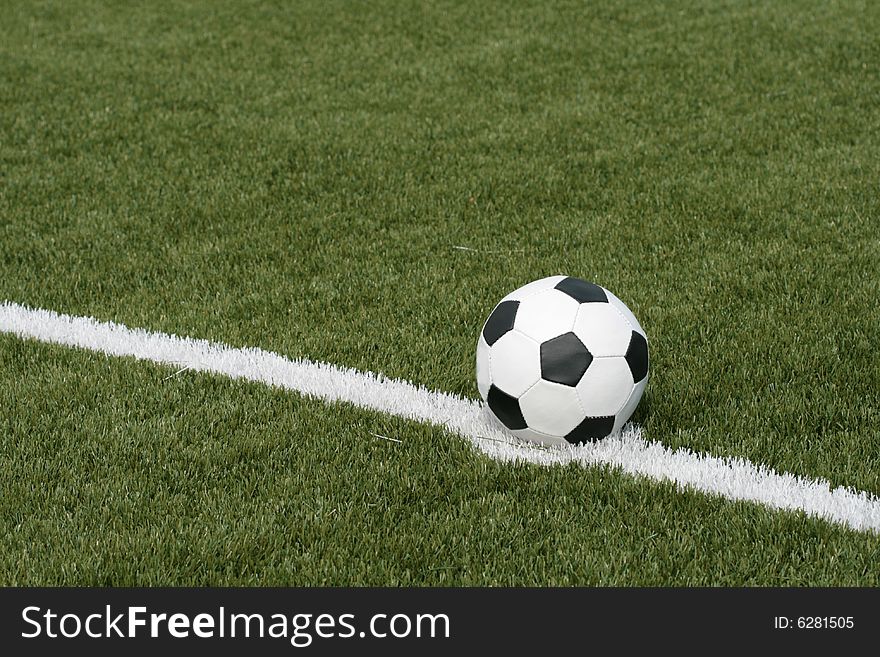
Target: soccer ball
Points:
(562, 361)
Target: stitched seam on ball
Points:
(626, 401)
(623, 317)
(529, 388)
(534, 294)
(625, 321)
(525, 335)
(638, 329)
(577, 396)
(537, 292)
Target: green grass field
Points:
(296, 176)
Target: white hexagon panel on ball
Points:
(605, 387)
(551, 408)
(546, 315)
(515, 363)
(603, 329)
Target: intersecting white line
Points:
(731, 478)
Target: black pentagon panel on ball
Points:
(564, 359)
(637, 356)
(500, 321)
(581, 290)
(591, 429)
(506, 408)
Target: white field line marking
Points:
(731, 478)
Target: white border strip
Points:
(731, 478)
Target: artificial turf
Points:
(122, 475)
(297, 177)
